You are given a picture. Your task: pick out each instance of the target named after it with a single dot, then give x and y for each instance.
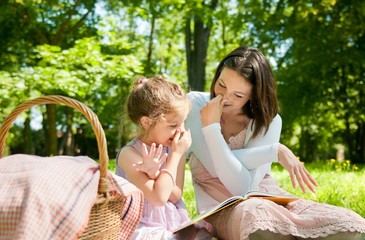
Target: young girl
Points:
(155, 160)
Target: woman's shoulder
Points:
(199, 98)
(276, 120)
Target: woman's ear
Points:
(145, 122)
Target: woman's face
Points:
(234, 88)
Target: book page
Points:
(277, 198)
(211, 211)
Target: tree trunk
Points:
(69, 143)
(349, 138)
(28, 142)
(51, 138)
(151, 37)
(359, 143)
(196, 49)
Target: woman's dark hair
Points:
(252, 65)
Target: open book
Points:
(279, 199)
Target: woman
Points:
(235, 132)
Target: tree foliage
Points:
(92, 50)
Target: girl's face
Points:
(234, 88)
(163, 132)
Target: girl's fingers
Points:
(163, 158)
(152, 150)
(177, 135)
(144, 151)
(159, 151)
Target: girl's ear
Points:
(145, 122)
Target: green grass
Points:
(340, 184)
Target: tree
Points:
(57, 23)
(322, 71)
(197, 42)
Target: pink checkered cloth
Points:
(51, 197)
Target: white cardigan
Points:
(239, 170)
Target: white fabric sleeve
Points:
(263, 148)
(233, 167)
(231, 172)
(193, 122)
(239, 170)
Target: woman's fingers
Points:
(300, 180)
(304, 179)
(298, 173)
(293, 179)
(212, 111)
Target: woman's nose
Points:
(226, 96)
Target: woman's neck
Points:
(233, 124)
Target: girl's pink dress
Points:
(301, 218)
(157, 222)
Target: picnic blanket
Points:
(51, 197)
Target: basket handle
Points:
(86, 111)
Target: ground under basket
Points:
(105, 218)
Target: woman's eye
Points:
(239, 96)
(221, 85)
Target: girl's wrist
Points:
(153, 174)
(165, 170)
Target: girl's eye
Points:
(173, 126)
(239, 96)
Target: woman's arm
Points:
(216, 156)
(231, 172)
(263, 148)
(240, 169)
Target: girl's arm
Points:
(157, 191)
(177, 191)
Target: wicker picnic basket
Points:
(105, 218)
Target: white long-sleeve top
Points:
(239, 170)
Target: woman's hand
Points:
(298, 173)
(212, 111)
(152, 160)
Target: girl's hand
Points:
(298, 173)
(152, 160)
(182, 141)
(212, 111)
